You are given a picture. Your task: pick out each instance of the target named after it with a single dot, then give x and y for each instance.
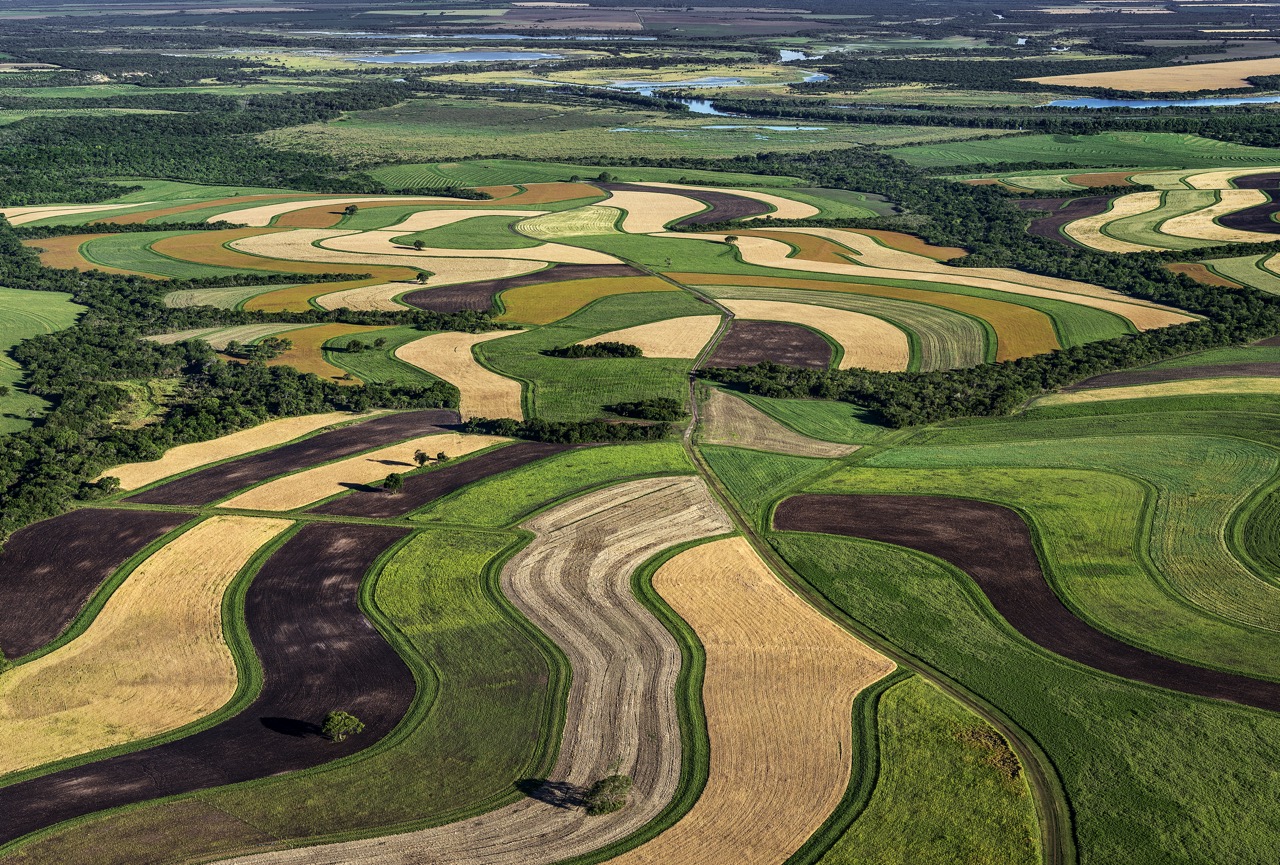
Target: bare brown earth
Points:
(1061, 212)
(420, 489)
(304, 596)
(910, 243)
(1104, 178)
(574, 583)
(1261, 369)
(216, 482)
(748, 342)
(480, 295)
(992, 545)
(49, 570)
(1201, 274)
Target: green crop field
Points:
(1103, 150)
(480, 232)
(380, 364)
(756, 479)
(132, 251)
(24, 314)
(827, 420)
(1248, 270)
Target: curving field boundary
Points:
(774, 205)
(1090, 231)
(305, 595)
(682, 337)
(728, 420)
(992, 544)
(574, 582)
(451, 356)
(773, 664)
(868, 342)
(1204, 224)
(1200, 386)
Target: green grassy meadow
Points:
(24, 314)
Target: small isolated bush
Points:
(607, 795)
(662, 408)
(995, 750)
(393, 482)
(599, 349)
(338, 725)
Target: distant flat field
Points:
(1105, 150)
(1229, 75)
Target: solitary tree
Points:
(351, 209)
(338, 725)
(4, 390)
(393, 483)
(355, 346)
(442, 457)
(607, 795)
(419, 245)
(421, 458)
(731, 239)
(423, 276)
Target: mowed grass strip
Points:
(552, 301)
(868, 342)
(307, 487)
(450, 356)
(772, 663)
(183, 458)
(153, 659)
(728, 420)
(1191, 387)
(681, 337)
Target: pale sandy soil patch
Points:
(445, 271)
(680, 337)
(257, 217)
(728, 420)
(868, 342)
(774, 253)
(594, 219)
(1189, 387)
(450, 356)
(783, 208)
(573, 582)
(1200, 225)
(648, 212)
(1088, 231)
(153, 660)
(220, 337)
(22, 215)
(186, 457)
(425, 220)
(312, 485)
(381, 243)
(1228, 75)
(778, 694)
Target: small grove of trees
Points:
(599, 349)
(338, 725)
(662, 408)
(268, 349)
(607, 795)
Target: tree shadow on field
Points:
(559, 794)
(360, 488)
(291, 727)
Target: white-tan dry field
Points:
(451, 356)
(681, 337)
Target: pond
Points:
(458, 57)
(1205, 102)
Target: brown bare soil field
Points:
(305, 595)
(496, 193)
(548, 302)
(1125, 378)
(152, 660)
(425, 487)
(480, 295)
(1225, 383)
(307, 354)
(573, 582)
(1261, 217)
(359, 472)
(1102, 178)
(64, 252)
(914, 245)
(727, 420)
(1229, 75)
(445, 272)
(1063, 211)
(773, 663)
(992, 545)
(216, 482)
(1201, 274)
(1205, 224)
(651, 210)
(781, 208)
(450, 357)
(868, 342)
(681, 337)
(186, 457)
(49, 570)
(1020, 330)
(751, 342)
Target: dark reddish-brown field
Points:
(1105, 178)
(1259, 218)
(48, 571)
(1261, 369)
(420, 489)
(318, 653)
(216, 482)
(993, 546)
(1060, 212)
(480, 295)
(1201, 274)
(748, 342)
(721, 206)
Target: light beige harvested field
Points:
(573, 582)
(728, 420)
(783, 208)
(262, 215)
(1187, 387)
(310, 486)
(594, 219)
(425, 220)
(186, 457)
(1224, 177)
(774, 253)
(221, 337)
(1229, 75)
(22, 215)
(868, 342)
(673, 337)
(153, 660)
(778, 693)
(297, 245)
(1200, 225)
(450, 356)
(1088, 231)
(444, 271)
(648, 212)
(381, 243)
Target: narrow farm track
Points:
(304, 596)
(574, 583)
(49, 570)
(216, 482)
(993, 546)
(773, 664)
